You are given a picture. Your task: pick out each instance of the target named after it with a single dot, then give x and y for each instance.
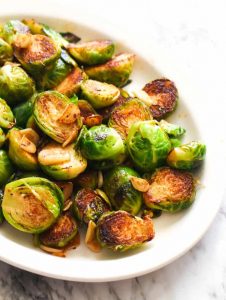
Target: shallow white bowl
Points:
(175, 234)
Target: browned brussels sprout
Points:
(32, 204)
(90, 205)
(89, 179)
(90, 116)
(35, 52)
(126, 114)
(115, 71)
(12, 28)
(164, 94)
(170, 190)
(57, 116)
(61, 163)
(61, 232)
(72, 83)
(23, 147)
(93, 52)
(121, 231)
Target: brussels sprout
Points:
(36, 52)
(108, 163)
(100, 143)
(187, 156)
(106, 111)
(171, 129)
(23, 112)
(54, 76)
(93, 52)
(126, 114)
(2, 137)
(90, 205)
(57, 116)
(115, 71)
(88, 179)
(121, 231)
(61, 163)
(7, 119)
(32, 204)
(164, 94)
(148, 145)
(61, 232)
(6, 52)
(90, 116)
(6, 168)
(22, 148)
(99, 94)
(119, 189)
(15, 85)
(170, 190)
(175, 142)
(39, 28)
(12, 28)
(72, 83)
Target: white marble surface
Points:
(194, 33)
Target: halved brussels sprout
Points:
(6, 168)
(35, 52)
(15, 85)
(93, 52)
(121, 231)
(106, 111)
(90, 205)
(12, 28)
(171, 129)
(164, 94)
(61, 232)
(148, 145)
(100, 143)
(119, 189)
(61, 163)
(90, 116)
(24, 111)
(72, 83)
(115, 71)
(187, 156)
(23, 147)
(57, 116)
(54, 76)
(2, 137)
(39, 28)
(6, 52)
(88, 179)
(32, 204)
(126, 114)
(170, 190)
(99, 94)
(7, 119)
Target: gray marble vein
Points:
(195, 31)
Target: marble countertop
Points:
(194, 31)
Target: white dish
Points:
(175, 234)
